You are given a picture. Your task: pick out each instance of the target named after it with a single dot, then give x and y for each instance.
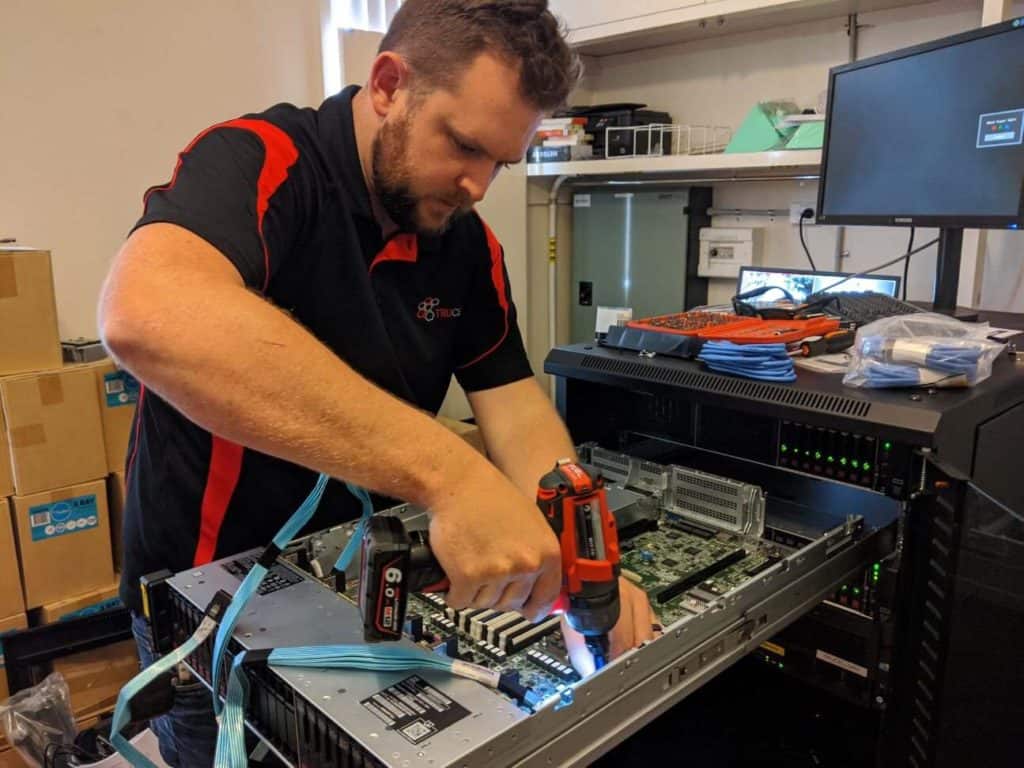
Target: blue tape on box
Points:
(120, 388)
(60, 518)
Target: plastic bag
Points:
(34, 718)
(921, 350)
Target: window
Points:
(371, 15)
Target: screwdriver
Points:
(836, 341)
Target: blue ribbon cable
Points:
(349, 552)
(251, 583)
(122, 712)
(231, 736)
(385, 658)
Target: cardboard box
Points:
(116, 492)
(28, 312)
(11, 600)
(96, 677)
(63, 542)
(53, 429)
(10, 624)
(6, 478)
(76, 606)
(117, 393)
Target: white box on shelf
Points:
(723, 251)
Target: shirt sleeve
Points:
(489, 347)
(235, 187)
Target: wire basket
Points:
(661, 139)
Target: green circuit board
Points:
(659, 560)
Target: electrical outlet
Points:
(795, 209)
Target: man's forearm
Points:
(523, 432)
(246, 371)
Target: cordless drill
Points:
(396, 561)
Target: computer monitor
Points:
(803, 283)
(929, 136)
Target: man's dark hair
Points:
(440, 38)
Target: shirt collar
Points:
(338, 134)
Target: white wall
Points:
(100, 96)
(718, 81)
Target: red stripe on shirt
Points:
(221, 481)
(498, 279)
(403, 247)
(279, 156)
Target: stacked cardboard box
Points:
(63, 430)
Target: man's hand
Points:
(637, 624)
(496, 548)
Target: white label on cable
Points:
(483, 675)
(849, 666)
(907, 351)
(581, 201)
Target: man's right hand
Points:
(496, 548)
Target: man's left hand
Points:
(637, 624)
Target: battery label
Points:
(415, 709)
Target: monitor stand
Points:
(947, 275)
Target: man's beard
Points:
(392, 180)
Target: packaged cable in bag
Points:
(38, 718)
(921, 350)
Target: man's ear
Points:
(388, 76)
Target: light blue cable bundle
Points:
(122, 711)
(764, 362)
(388, 658)
(960, 359)
(231, 735)
(252, 580)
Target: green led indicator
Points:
(784, 448)
(843, 461)
(807, 453)
(856, 464)
(876, 566)
(831, 459)
(856, 590)
(887, 446)
(781, 666)
(867, 466)
(817, 455)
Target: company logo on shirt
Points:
(430, 309)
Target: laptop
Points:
(803, 283)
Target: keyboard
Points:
(863, 308)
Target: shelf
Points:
(714, 18)
(788, 163)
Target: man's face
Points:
(435, 155)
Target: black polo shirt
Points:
(282, 196)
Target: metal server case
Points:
(950, 457)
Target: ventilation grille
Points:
(631, 472)
(299, 731)
(727, 385)
(716, 501)
(932, 637)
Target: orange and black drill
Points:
(396, 562)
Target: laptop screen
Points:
(802, 283)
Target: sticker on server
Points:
(48, 521)
(120, 388)
(415, 708)
(840, 662)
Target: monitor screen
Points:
(932, 135)
(803, 283)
